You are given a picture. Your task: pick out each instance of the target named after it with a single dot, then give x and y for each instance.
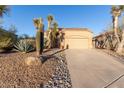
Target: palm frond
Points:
(4, 9)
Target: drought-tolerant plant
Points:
(23, 46)
(116, 13)
(45, 42)
(4, 9)
(32, 42)
(50, 19)
(39, 35)
(54, 34)
(7, 39)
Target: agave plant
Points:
(24, 46)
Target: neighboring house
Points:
(102, 40)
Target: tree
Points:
(7, 39)
(12, 29)
(50, 19)
(116, 12)
(121, 44)
(54, 34)
(110, 41)
(25, 36)
(4, 9)
(55, 28)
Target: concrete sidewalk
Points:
(92, 69)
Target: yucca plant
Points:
(24, 46)
(45, 42)
(50, 19)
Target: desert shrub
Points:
(32, 42)
(24, 46)
(7, 39)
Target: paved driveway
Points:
(90, 68)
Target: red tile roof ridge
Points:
(84, 29)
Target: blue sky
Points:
(94, 17)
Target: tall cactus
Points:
(39, 35)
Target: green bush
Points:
(7, 39)
(24, 46)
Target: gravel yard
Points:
(61, 77)
(53, 72)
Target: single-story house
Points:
(76, 38)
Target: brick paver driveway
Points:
(90, 68)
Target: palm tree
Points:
(116, 12)
(4, 9)
(50, 19)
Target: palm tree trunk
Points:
(116, 28)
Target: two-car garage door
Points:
(77, 38)
(81, 43)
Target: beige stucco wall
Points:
(78, 38)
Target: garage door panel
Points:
(78, 43)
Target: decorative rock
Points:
(33, 61)
(61, 77)
(60, 81)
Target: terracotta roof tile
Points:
(73, 29)
(78, 29)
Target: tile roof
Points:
(78, 29)
(73, 29)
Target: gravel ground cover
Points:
(53, 72)
(61, 77)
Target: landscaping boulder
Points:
(33, 61)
